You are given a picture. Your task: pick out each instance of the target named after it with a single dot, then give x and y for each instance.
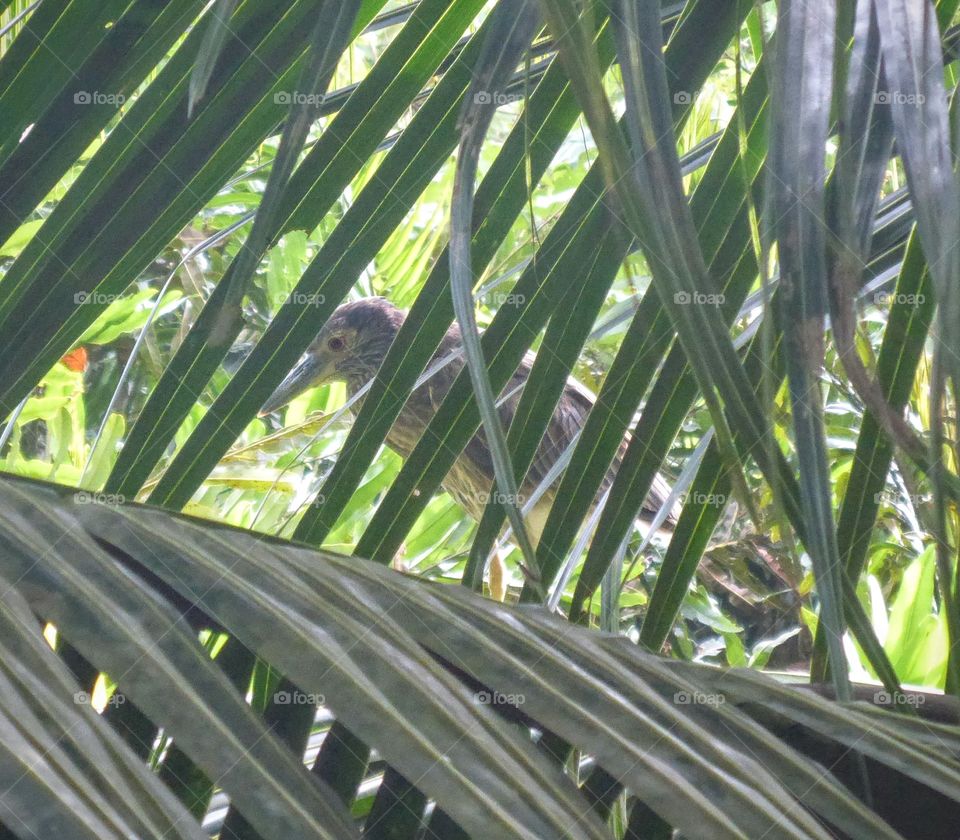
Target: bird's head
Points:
(349, 348)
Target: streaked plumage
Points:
(351, 347)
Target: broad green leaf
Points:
(605, 694)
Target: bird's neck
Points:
(356, 381)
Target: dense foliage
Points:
(733, 222)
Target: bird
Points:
(351, 346)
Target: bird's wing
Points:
(569, 417)
(477, 451)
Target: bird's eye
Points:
(336, 344)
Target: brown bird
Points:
(351, 347)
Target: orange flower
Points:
(76, 360)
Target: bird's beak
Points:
(311, 370)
